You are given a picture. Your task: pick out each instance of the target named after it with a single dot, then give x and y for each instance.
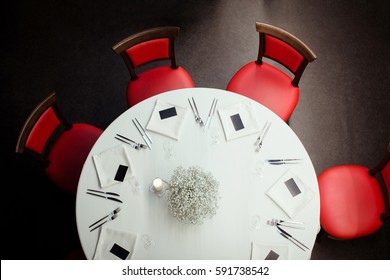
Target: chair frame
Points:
(169, 32)
(281, 34)
(49, 101)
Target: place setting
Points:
(238, 120)
(115, 244)
(167, 119)
(290, 193)
(113, 166)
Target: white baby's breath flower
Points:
(194, 195)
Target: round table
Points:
(243, 176)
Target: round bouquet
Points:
(193, 195)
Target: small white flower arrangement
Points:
(194, 195)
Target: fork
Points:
(292, 224)
(193, 111)
(109, 218)
(197, 112)
(261, 139)
(143, 129)
(137, 145)
(105, 217)
(198, 119)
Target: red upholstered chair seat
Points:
(157, 80)
(267, 85)
(68, 154)
(351, 202)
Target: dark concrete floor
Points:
(342, 116)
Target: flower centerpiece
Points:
(193, 196)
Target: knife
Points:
(110, 218)
(110, 193)
(287, 159)
(261, 133)
(291, 225)
(287, 237)
(143, 135)
(290, 236)
(211, 113)
(265, 133)
(110, 214)
(283, 162)
(262, 138)
(147, 135)
(106, 197)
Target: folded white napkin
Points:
(290, 193)
(238, 120)
(267, 251)
(113, 166)
(167, 119)
(115, 244)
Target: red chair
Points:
(59, 146)
(353, 199)
(148, 47)
(268, 84)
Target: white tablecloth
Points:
(235, 164)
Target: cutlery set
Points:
(111, 216)
(106, 195)
(285, 234)
(132, 143)
(288, 236)
(144, 134)
(284, 161)
(198, 119)
(292, 224)
(211, 113)
(263, 133)
(195, 111)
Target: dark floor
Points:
(342, 116)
